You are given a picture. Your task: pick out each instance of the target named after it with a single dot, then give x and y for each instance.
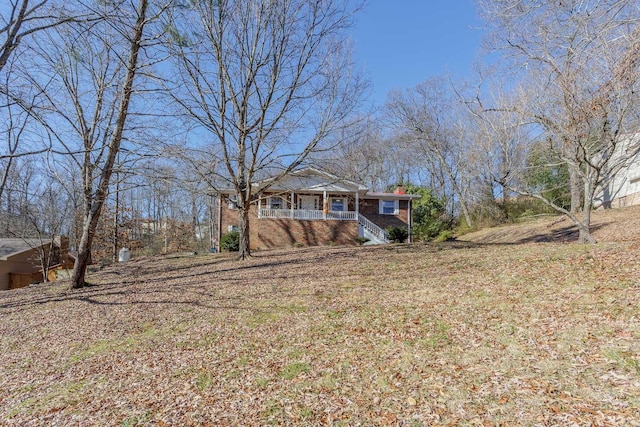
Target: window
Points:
(232, 228)
(276, 202)
(233, 201)
(337, 204)
(389, 207)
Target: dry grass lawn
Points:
(447, 334)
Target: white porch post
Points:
(409, 220)
(292, 212)
(259, 207)
(357, 206)
(325, 207)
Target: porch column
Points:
(259, 207)
(357, 206)
(292, 212)
(409, 220)
(325, 206)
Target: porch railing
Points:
(274, 213)
(306, 214)
(342, 215)
(373, 229)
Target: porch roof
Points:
(310, 180)
(394, 196)
(315, 180)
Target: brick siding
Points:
(370, 208)
(277, 233)
(273, 233)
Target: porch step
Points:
(371, 231)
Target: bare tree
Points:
(93, 66)
(367, 155)
(429, 114)
(20, 19)
(264, 83)
(18, 135)
(47, 214)
(581, 61)
(501, 144)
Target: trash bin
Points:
(124, 255)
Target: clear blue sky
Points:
(400, 43)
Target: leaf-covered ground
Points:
(607, 225)
(449, 334)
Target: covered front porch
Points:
(323, 206)
(310, 206)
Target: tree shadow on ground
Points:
(567, 234)
(121, 284)
(146, 281)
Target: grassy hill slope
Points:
(457, 333)
(611, 225)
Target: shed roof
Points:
(13, 247)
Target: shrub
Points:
(462, 228)
(430, 215)
(361, 240)
(230, 242)
(397, 234)
(444, 236)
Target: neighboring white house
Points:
(623, 189)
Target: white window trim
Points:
(233, 201)
(283, 205)
(396, 206)
(231, 228)
(344, 202)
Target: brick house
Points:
(311, 207)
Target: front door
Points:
(309, 203)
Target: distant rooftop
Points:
(9, 247)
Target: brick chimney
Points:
(399, 190)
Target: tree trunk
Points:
(584, 235)
(575, 186)
(465, 212)
(244, 248)
(584, 228)
(94, 203)
(83, 258)
(115, 220)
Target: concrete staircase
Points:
(371, 231)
